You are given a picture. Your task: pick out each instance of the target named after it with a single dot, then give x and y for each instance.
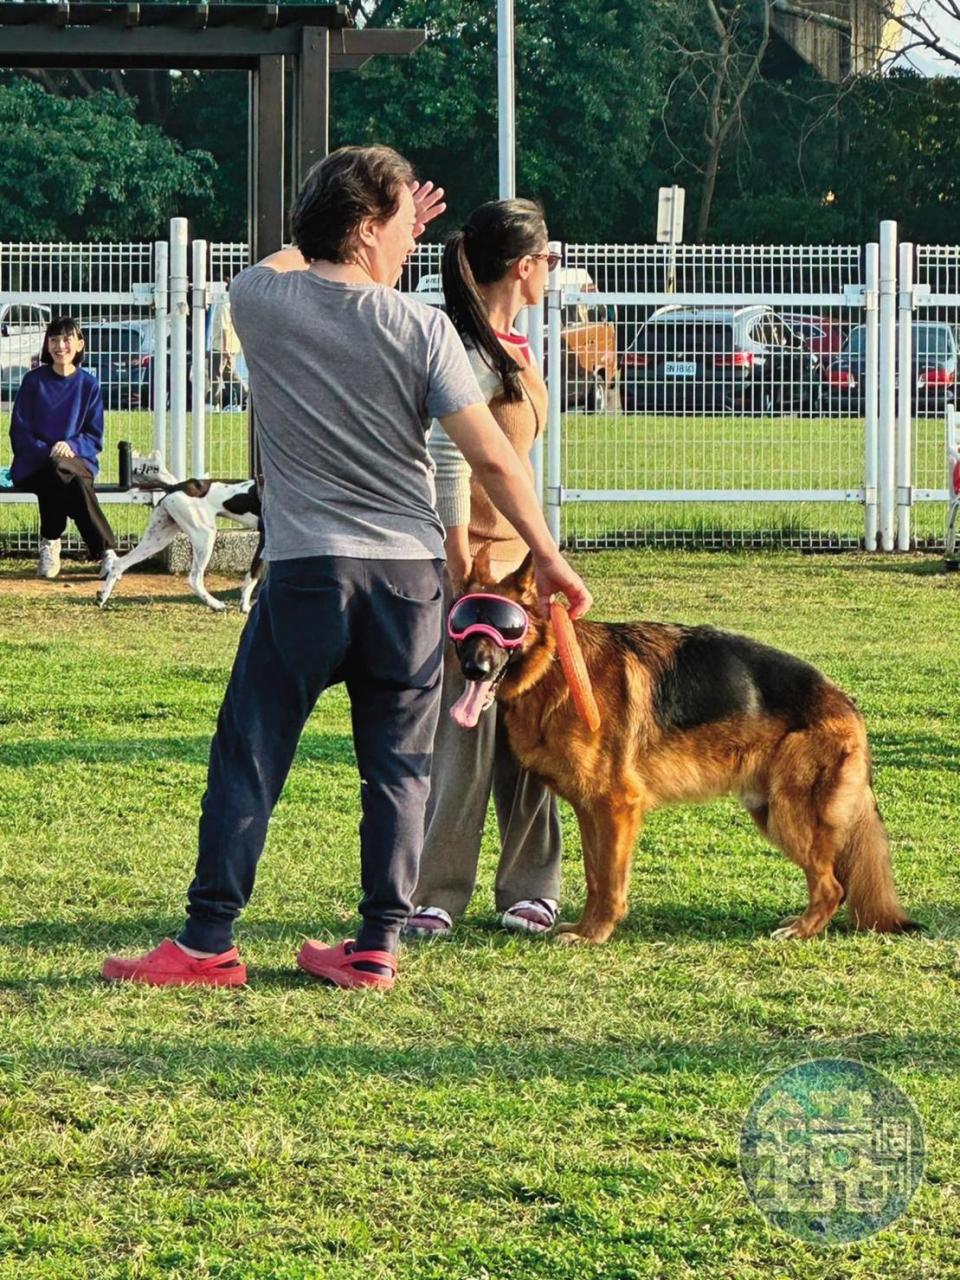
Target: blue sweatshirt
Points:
(49, 408)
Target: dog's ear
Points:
(480, 574)
(522, 579)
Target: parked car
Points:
(718, 360)
(588, 342)
(121, 354)
(821, 335)
(21, 337)
(935, 352)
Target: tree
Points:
(586, 88)
(718, 50)
(85, 168)
(929, 28)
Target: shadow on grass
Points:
(318, 748)
(661, 922)
(915, 751)
(908, 566)
(268, 1064)
(118, 601)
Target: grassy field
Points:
(513, 1108)
(647, 451)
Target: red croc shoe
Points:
(169, 966)
(339, 965)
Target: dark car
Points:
(719, 360)
(121, 355)
(935, 350)
(821, 335)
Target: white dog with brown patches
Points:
(192, 507)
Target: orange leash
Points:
(574, 667)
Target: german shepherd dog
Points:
(688, 714)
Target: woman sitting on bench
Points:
(56, 431)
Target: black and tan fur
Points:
(688, 714)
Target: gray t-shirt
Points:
(345, 379)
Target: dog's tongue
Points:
(466, 710)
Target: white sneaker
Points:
(107, 563)
(49, 565)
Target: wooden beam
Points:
(313, 101)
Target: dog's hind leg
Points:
(159, 533)
(798, 823)
(608, 833)
(203, 540)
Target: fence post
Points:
(179, 305)
(888, 381)
(198, 363)
(554, 386)
(905, 399)
(534, 319)
(871, 478)
(161, 271)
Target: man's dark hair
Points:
(341, 190)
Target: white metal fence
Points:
(701, 395)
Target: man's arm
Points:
(497, 467)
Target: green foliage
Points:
(86, 169)
(585, 102)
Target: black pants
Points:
(64, 489)
(376, 625)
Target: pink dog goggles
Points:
(501, 619)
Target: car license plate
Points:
(680, 369)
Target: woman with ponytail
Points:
(493, 267)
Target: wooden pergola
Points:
(267, 40)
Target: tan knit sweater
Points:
(461, 499)
(521, 422)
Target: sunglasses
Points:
(501, 619)
(553, 260)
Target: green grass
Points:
(512, 1108)
(651, 451)
(642, 451)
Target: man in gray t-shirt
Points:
(343, 408)
(345, 376)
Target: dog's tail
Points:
(863, 869)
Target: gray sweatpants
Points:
(467, 765)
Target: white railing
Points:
(704, 395)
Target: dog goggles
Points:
(501, 619)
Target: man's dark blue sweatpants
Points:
(377, 625)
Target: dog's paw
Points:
(789, 928)
(568, 937)
(218, 606)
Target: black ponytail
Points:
(496, 235)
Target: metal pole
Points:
(888, 384)
(904, 399)
(505, 101)
(870, 461)
(161, 260)
(554, 384)
(534, 329)
(198, 359)
(179, 305)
